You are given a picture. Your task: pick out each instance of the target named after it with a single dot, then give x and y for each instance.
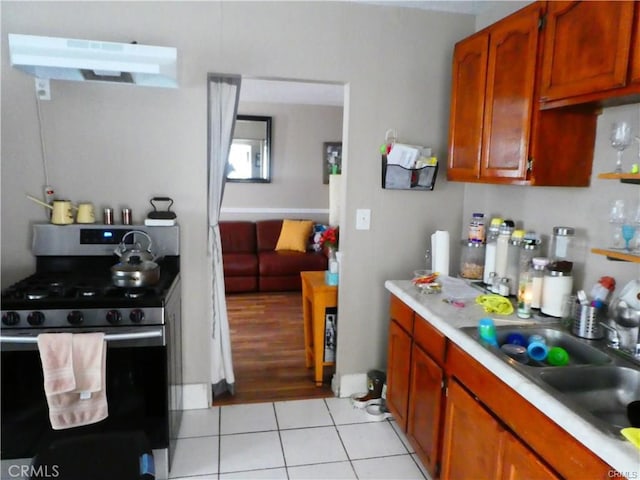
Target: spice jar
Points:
(472, 260)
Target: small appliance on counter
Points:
(160, 218)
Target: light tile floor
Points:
(301, 439)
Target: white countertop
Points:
(620, 454)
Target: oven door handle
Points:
(110, 337)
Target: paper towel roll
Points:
(440, 252)
(335, 191)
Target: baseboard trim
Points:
(195, 396)
(349, 384)
(275, 211)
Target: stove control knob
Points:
(11, 318)
(75, 317)
(114, 317)
(136, 316)
(35, 319)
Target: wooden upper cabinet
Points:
(493, 88)
(586, 47)
(634, 76)
(509, 96)
(498, 132)
(467, 107)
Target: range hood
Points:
(87, 60)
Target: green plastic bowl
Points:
(558, 356)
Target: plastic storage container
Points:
(476, 228)
(556, 289)
(472, 260)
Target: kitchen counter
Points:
(448, 319)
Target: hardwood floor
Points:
(267, 341)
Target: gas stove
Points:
(72, 285)
(71, 291)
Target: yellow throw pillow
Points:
(294, 235)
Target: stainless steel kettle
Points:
(137, 267)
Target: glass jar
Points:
(562, 244)
(513, 260)
(472, 260)
(490, 249)
(529, 248)
(502, 247)
(524, 294)
(537, 270)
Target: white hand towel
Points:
(87, 402)
(56, 356)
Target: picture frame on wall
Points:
(332, 155)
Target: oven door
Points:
(137, 393)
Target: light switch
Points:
(363, 219)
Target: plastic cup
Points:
(537, 351)
(487, 331)
(516, 338)
(536, 338)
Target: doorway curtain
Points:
(223, 95)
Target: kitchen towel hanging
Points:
(83, 401)
(440, 252)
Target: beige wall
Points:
(296, 189)
(120, 145)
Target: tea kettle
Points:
(137, 267)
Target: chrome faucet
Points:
(613, 339)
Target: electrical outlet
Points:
(43, 88)
(363, 219)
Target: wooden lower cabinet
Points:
(477, 446)
(520, 463)
(415, 373)
(481, 429)
(425, 407)
(399, 366)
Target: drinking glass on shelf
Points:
(617, 216)
(628, 231)
(620, 140)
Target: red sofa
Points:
(252, 264)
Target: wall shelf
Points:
(623, 177)
(617, 255)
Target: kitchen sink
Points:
(596, 384)
(603, 392)
(580, 352)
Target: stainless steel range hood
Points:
(87, 60)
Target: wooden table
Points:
(316, 297)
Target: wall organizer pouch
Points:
(398, 177)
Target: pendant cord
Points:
(42, 142)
